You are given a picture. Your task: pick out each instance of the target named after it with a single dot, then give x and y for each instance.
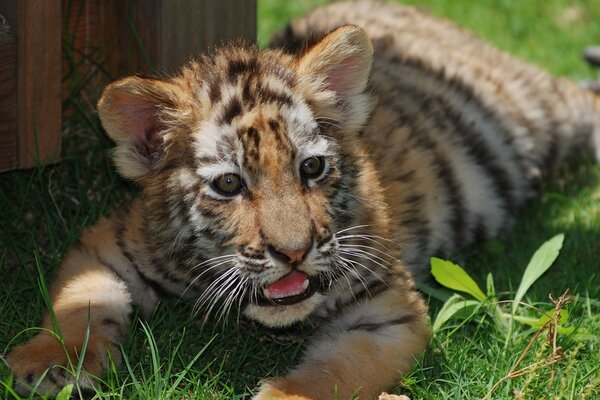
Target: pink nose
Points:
(289, 255)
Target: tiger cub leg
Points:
(86, 293)
(362, 352)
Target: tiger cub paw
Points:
(42, 365)
(279, 389)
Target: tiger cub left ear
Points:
(341, 61)
(133, 112)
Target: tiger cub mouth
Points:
(291, 289)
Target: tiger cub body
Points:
(304, 185)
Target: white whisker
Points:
(210, 260)
(212, 267)
(214, 286)
(348, 267)
(356, 263)
(351, 228)
(364, 246)
(343, 269)
(365, 254)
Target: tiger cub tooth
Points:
(305, 285)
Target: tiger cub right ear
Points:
(341, 63)
(132, 111)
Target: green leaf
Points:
(566, 330)
(455, 307)
(491, 290)
(454, 277)
(65, 393)
(438, 294)
(538, 322)
(540, 262)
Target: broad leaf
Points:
(538, 322)
(454, 277)
(455, 307)
(438, 294)
(540, 262)
(65, 393)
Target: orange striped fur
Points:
(326, 171)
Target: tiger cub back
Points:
(462, 133)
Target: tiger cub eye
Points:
(312, 167)
(228, 184)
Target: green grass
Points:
(43, 211)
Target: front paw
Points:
(281, 389)
(43, 365)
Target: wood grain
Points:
(8, 100)
(131, 36)
(158, 36)
(38, 81)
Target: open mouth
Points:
(291, 289)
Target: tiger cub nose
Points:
(289, 256)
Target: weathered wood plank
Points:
(189, 27)
(180, 29)
(39, 81)
(8, 100)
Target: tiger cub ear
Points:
(132, 111)
(341, 61)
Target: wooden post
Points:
(8, 99)
(134, 36)
(160, 35)
(37, 29)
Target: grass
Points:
(44, 210)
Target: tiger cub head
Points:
(251, 158)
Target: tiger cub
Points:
(279, 181)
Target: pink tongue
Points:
(288, 285)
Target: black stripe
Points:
(450, 121)
(238, 67)
(51, 377)
(373, 326)
(457, 220)
(267, 95)
(109, 266)
(374, 288)
(550, 159)
(123, 247)
(156, 286)
(405, 176)
(480, 233)
(324, 240)
(471, 140)
(214, 91)
(412, 219)
(232, 110)
(110, 322)
(248, 96)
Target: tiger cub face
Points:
(251, 157)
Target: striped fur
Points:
(428, 146)
(462, 133)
